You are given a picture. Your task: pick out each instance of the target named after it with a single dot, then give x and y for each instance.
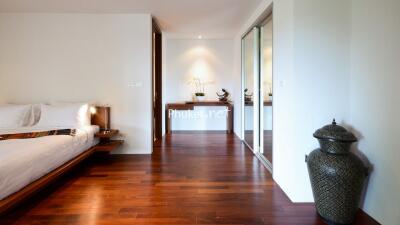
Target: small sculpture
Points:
(247, 97)
(224, 96)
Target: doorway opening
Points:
(157, 81)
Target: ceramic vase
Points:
(200, 98)
(337, 176)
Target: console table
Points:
(191, 105)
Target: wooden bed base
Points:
(21, 195)
(12, 200)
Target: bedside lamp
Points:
(101, 117)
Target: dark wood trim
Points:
(108, 146)
(190, 106)
(207, 103)
(157, 80)
(102, 117)
(106, 134)
(156, 27)
(230, 120)
(106, 143)
(12, 200)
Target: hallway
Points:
(189, 179)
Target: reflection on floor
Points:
(248, 137)
(268, 145)
(190, 179)
(267, 153)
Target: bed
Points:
(24, 161)
(29, 164)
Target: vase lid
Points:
(334, 132)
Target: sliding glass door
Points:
(250, 59)
(257, 90)
(266, 90)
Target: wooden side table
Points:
(106, 144)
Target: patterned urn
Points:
(337, 176)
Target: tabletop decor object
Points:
(199, 87)
(248, 97)
(200, 96)
(337, 175)
(224, 96)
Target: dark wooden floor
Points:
(190, 179)
(267, 153)
(268, 145)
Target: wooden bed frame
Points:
(23, 194)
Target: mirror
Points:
(266, 89)
(257, 90)
(249, 59)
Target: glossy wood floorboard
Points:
(189, 179)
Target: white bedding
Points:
(23, 161)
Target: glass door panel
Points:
(257, 90)
(266, 95)
(250, 71)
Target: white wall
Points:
(237, 86)
(2, 93)
(321, 80)
(311, 74)
(335, 59)
(211, 60)
(82, 57)
(375, 103)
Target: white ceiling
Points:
(178, 18)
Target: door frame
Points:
(258, 128)
(261, 98)
(157, 80)
(255, 54)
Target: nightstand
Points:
(106, 144)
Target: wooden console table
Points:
(191, 105)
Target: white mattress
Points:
(23, 161)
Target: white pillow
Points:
(84, 117)
(35, 116)
(73, 115)
(14, 116)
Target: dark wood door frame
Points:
(157, 81)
